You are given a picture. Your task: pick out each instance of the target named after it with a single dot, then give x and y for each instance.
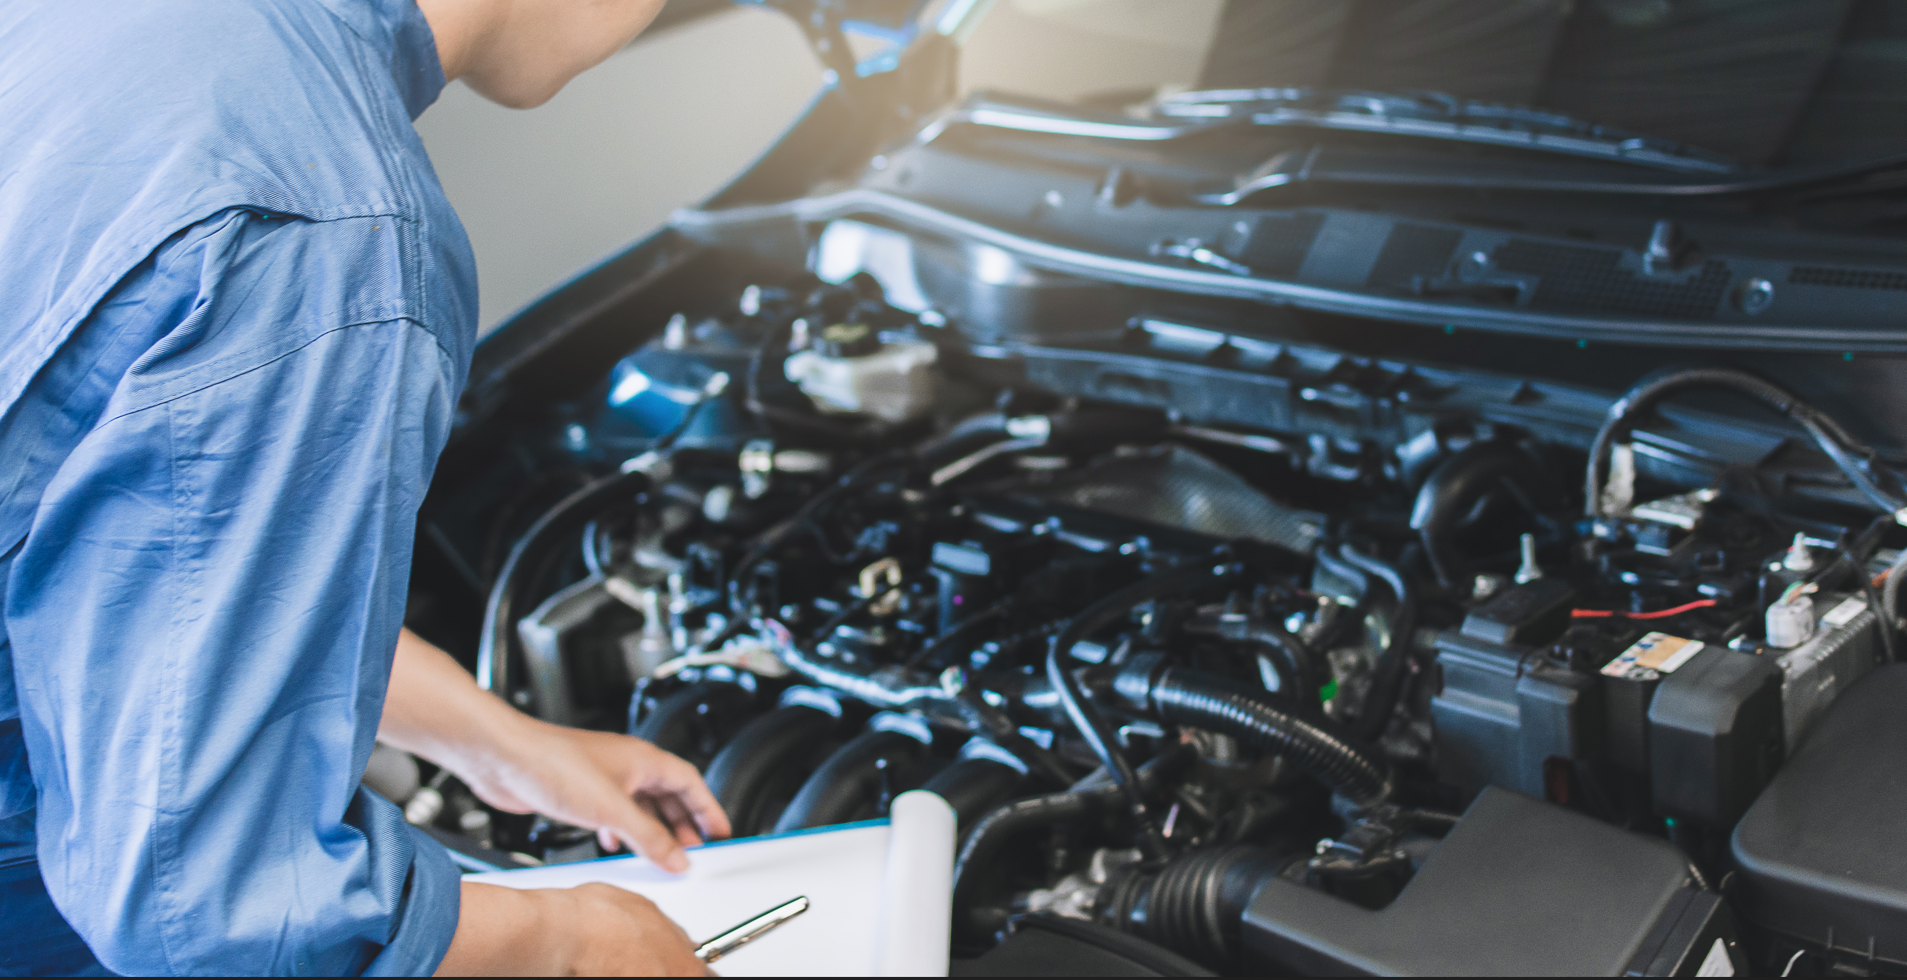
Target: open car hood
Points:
(1296, 528)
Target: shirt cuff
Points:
(433, 897)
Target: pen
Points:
(734, 939)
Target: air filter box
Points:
(1820, 852)
(1518, 888)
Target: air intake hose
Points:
(1194, 903)
(1200, 700)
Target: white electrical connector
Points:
(1798, 558)
(1529, 571)
(1790, 620)
(1620, 491)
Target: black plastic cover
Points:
(1504, 712)
(1715, 735)
(1693, 939)
(1820, 852)
(1050, 946)
(1531, 613)
(1518, 888)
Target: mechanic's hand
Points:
(590, 930)
(624, 788)
(624, 934)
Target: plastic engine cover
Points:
(1518, 888)
(1821, 851)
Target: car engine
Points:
(1294, 529)
(1267, 655)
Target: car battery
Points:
(1531, 702)
(1845, 646)
(1714, 725)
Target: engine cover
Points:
(1820, 851)
(1518, 888)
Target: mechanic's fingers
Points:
(680, 820)
(647, 836)
(674, 779)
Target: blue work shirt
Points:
(236, 312)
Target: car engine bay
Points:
(1165, 670)
(1477, 612)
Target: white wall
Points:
(547, 192)
(1067, 49)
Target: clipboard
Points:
(881, 893)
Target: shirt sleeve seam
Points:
(164, 900)
(184, 392)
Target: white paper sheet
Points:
(881, 893)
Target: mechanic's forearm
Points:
(435, 709)
(590, 930)
(499, 932)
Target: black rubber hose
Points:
(957, 441)
(1387, 681)
(1639, 402)
(695, 721)
(497, 648)
(845, 786)
(767, 543)
(1456, 485)
(1201, 700)
(1301, 680)
(1079, 708)
(763, 765)
(1000, 728)
(1345, 570)
(593, 552)
(1195, 903)
(973, 787)
(1099, 422)
(1289, 656)
(992, 832)
(960, 640)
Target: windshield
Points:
(1768, 83)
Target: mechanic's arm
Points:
(627, 790)
(616, 784)
(203, 616)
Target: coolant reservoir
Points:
(850, 369)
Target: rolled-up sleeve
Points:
(203, 619)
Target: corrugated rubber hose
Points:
(1079, 707)
(1199, 700)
